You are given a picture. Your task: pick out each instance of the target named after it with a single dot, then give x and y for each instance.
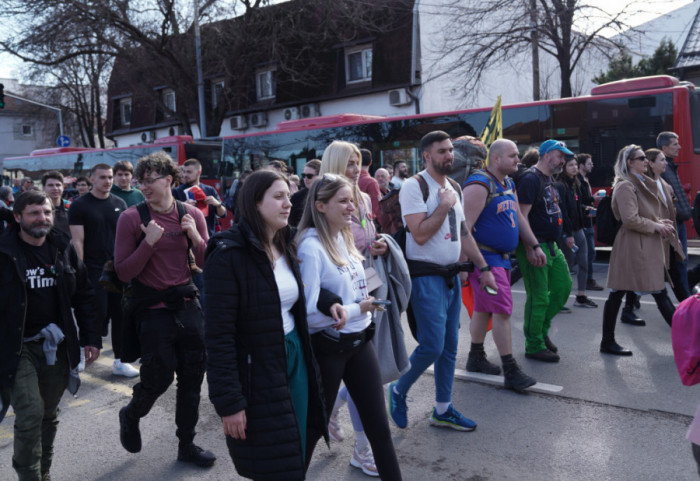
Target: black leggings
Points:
(359, 369)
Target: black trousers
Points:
(359, 369)
(172, 342)
(109, 306)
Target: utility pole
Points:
(535, 51)
(200, 80)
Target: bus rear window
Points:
(695, 119)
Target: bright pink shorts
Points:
(501, 303)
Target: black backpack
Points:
(606, 223)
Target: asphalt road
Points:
(613, 419)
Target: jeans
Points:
(578, 258)
(679, 269)
(437, 309)
(171, 343)
(547, 290)
(34, 397)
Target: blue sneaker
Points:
(397, 407)
(452, 419)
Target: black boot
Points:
(663, 302)
(514, 378)
(629, 317)
(608, 344)
(191, 453)
(129, 433)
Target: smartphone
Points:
(378, 302)
(490, 291)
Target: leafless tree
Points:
(481, 34)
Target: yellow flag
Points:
(494, 127)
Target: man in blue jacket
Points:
(43, 279)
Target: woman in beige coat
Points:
(638, 259)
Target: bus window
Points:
(695, 119)
(208, 154)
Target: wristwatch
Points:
(536, 246)
(485, 268)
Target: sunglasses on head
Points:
(324, 177)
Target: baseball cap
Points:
(550, 145)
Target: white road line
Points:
(651, 303)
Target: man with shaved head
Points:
(493, 217)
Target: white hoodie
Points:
(348, 282)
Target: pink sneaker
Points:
(335, 430)
(364, 459)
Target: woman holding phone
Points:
(259, 355)
(329, 260)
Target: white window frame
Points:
(365, 52)
(168, 97)
(216, 86)
(123, 104)
(269, 76)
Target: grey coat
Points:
(389, 336)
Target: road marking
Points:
(573, 296)
(540, 387)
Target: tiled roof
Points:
(689, 56)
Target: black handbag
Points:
(109, 280)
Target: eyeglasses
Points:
(329, 177)
(308, 176)
(641, 157)
(152, 180)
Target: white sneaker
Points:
(124, 369)
(335, 430)
(81, 364)
(364, 459)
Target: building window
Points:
(217, 92)
(169, 102)
(358, 64)
(266, 84)
(125, 111)
(27, 130)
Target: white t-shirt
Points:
(348, 282)
(660, 186)
(288, 291)
(445, 246)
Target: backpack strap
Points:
(145, 216)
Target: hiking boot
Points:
(191, 453)
(545, 355)
(46, 476)
(514, 378)
(129, 433)
(583, 301)
(629, 317)
(592, 285)
(565, 310)
(452, 419)
(477, 362)
(550, 345)
(398, 411)
(364, 459)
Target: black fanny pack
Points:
(330, 341)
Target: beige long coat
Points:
(638, 257)
(668, 211)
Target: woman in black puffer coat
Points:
(263, 378)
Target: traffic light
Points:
(2, 96)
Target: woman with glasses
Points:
(308, 175)
(344, 159)
(263, 378)
(341, 335)
(637, 260)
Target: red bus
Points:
(76, 161)
(614, 115)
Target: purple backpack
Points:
(685, 337)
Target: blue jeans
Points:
(437, 310)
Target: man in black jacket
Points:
(42, 279)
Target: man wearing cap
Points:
(548, 287)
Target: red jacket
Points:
(369, 186)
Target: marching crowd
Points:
(295, 311)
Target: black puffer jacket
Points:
(74, 291)
(247, 360)
(571, 207)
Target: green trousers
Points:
(34, 397)
(547, 290)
